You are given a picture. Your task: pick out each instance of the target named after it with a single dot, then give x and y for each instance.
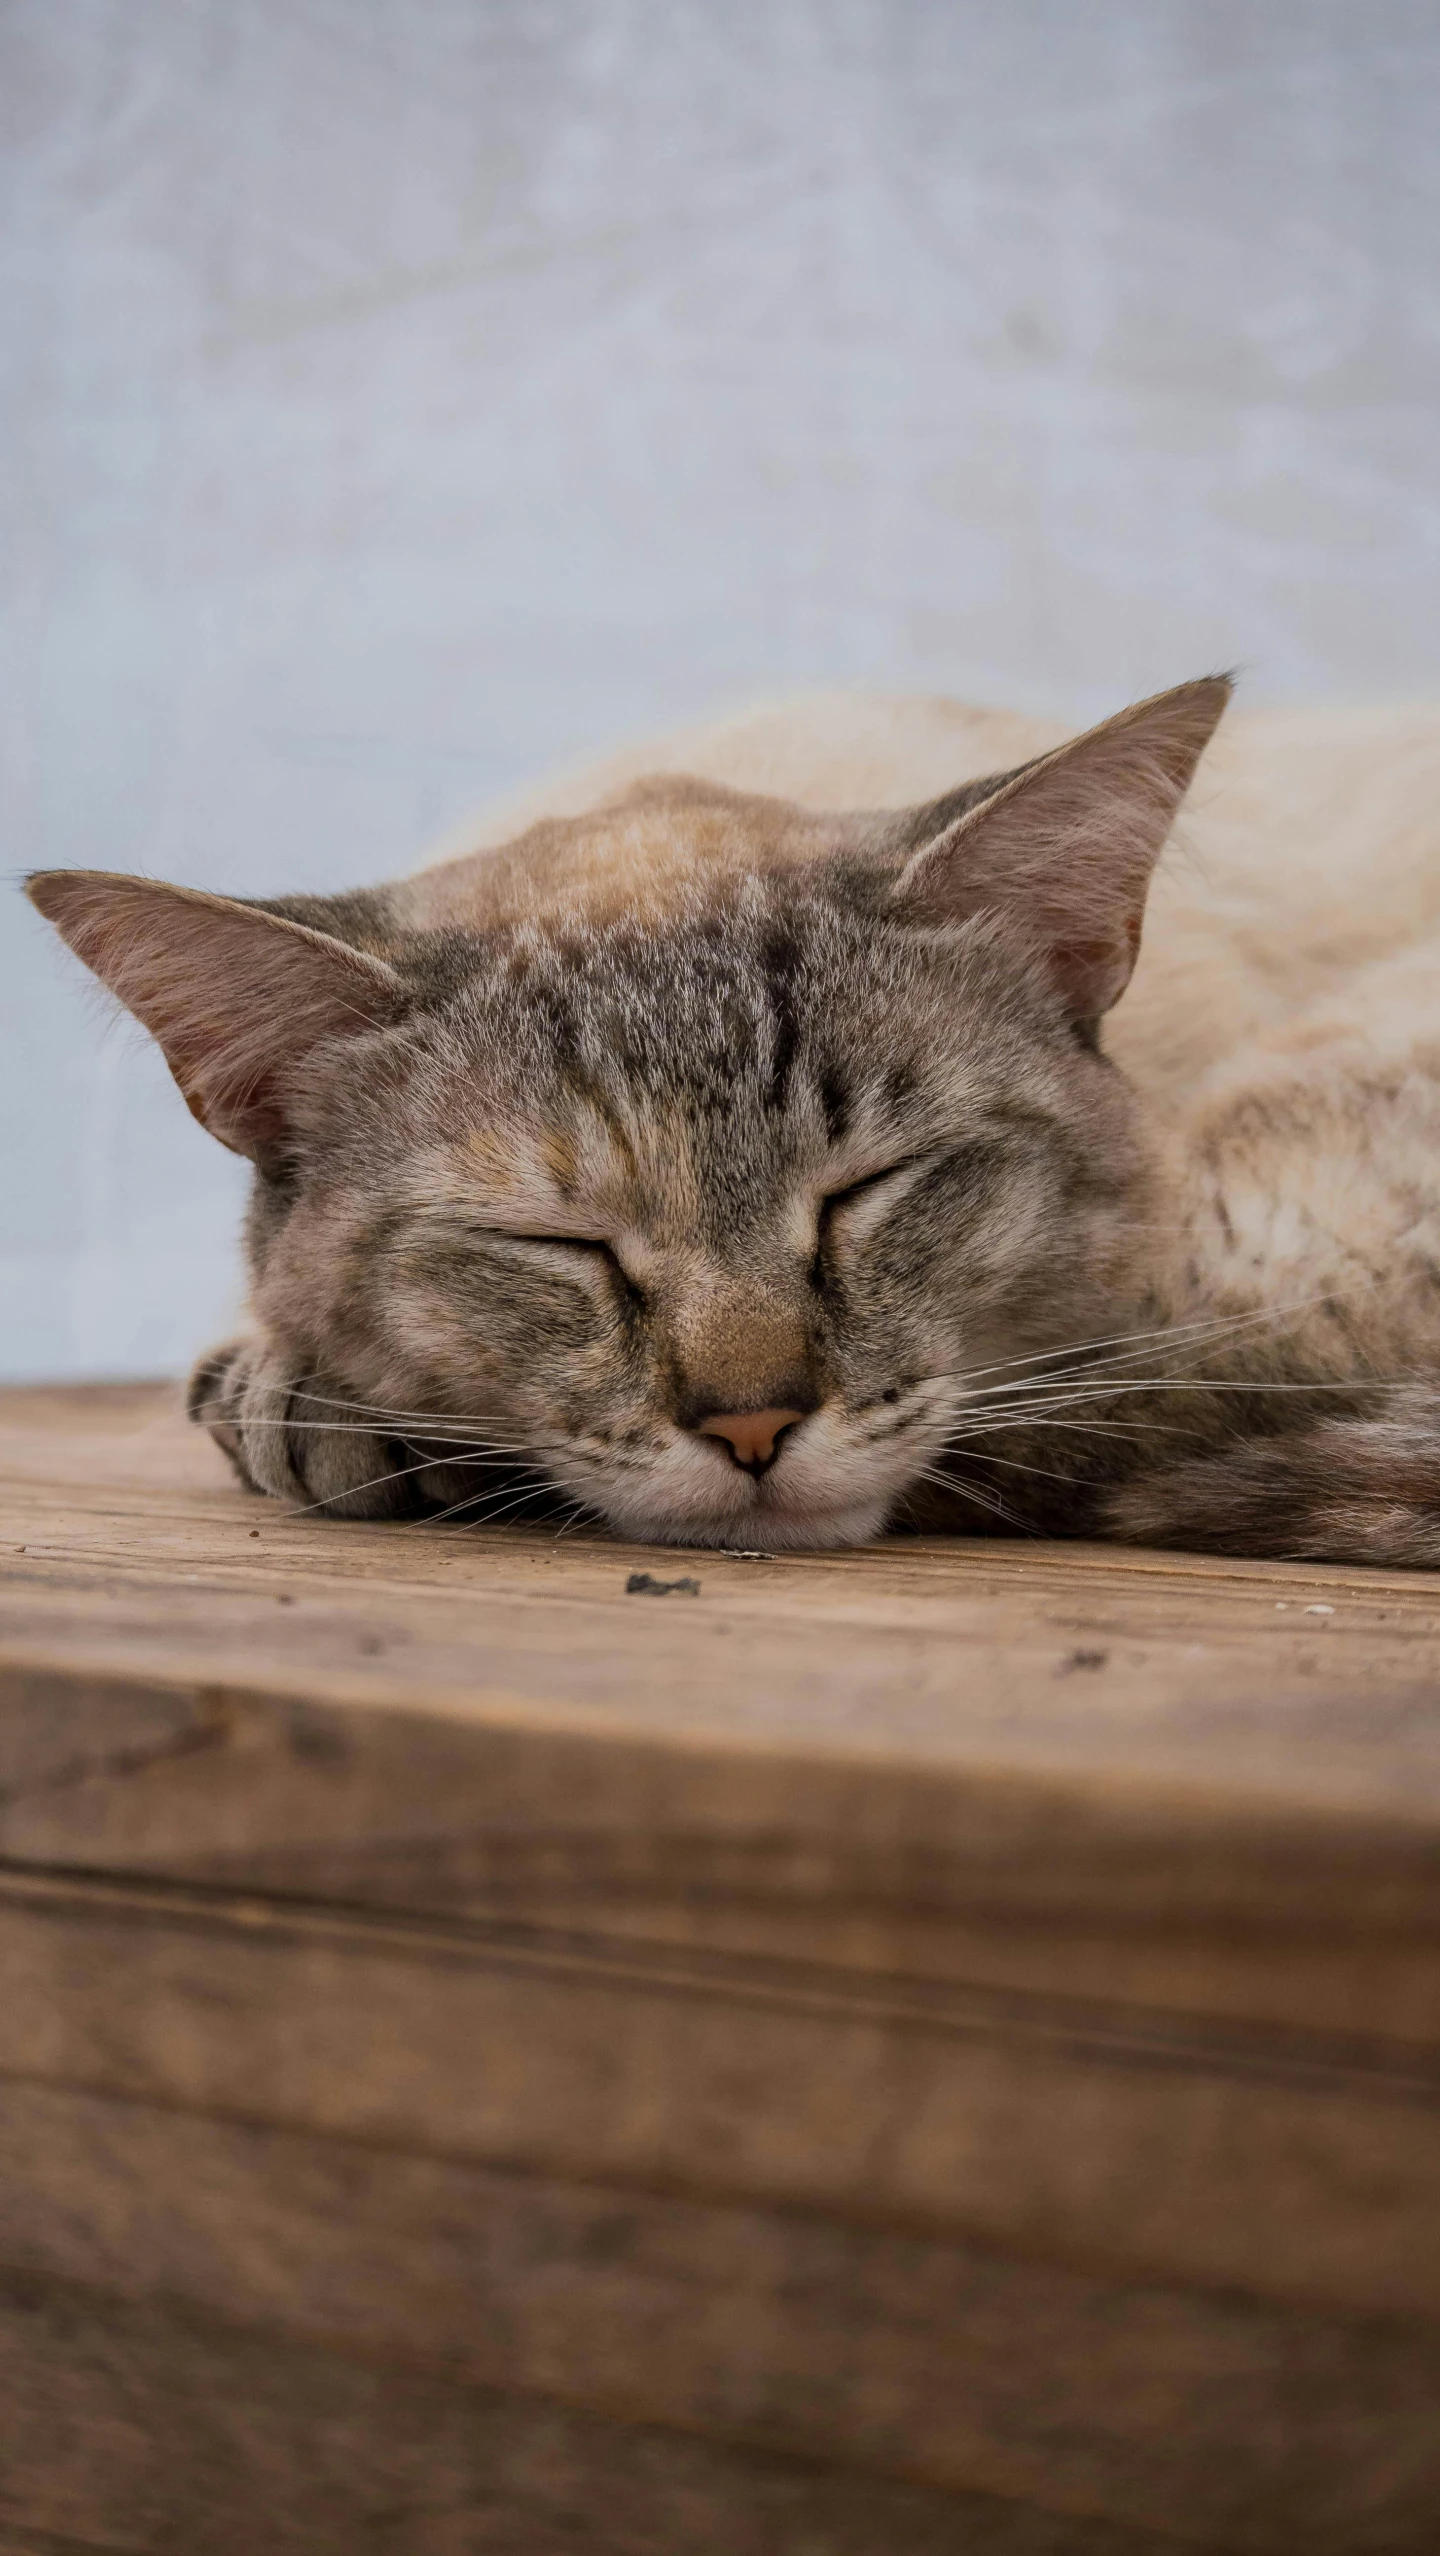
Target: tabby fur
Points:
(675, 1093)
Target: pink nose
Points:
(751, 1436)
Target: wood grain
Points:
(962, 2019)
(782, 2329)
(214, 2439)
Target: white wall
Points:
(402, 395)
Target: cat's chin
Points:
(764, 1531)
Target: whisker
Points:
(391, 1411)
(1011, 1464)
(394, 1473)
(1082, 1348)
(1084, 1428)
(982, 1499)
(997, 1508)
(1128, 1344)
(500, 1508)
(581, 1515)
(1108, 1371)
(496, 1447)
(1117, 1385)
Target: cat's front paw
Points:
(287, 1436)
(214, 1397)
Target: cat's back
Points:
(823, 751)
(1308, 849)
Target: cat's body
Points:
(754, 1175)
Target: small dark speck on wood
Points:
(642, 1584)
(311, 1735)
(1083, 1660)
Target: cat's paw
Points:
(1361, 1490)
(213, 1399)
(288, 1437)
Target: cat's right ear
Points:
(1067, 844)
(236, 997)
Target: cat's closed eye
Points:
(972, 1160)
(836, 1201)
(596, 1249)
(857, 1189)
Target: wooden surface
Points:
(929, 2048)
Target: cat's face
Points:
(709, 1193)
(770, 1155)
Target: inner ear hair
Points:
(1068, 843)
(236, 997)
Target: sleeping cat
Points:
(735, 1171)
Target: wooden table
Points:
(930, 2049)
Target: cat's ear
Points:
(235, 996)
(1069, 842)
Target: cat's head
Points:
(712, 1202)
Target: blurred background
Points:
(403, 396)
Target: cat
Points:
(694, 1159)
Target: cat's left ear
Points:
(237, 997)
(1068, 843)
